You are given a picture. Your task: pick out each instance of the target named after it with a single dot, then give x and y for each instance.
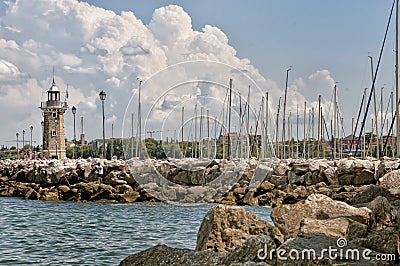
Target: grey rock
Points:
(390, 180)
(369, 193)
(288, 218)
(253, 250)
(162, 255)
(226, 226)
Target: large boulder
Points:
(336, 227)
(369, 193)
(383, 214)
(288, 217)
(316, 249)
(386, 241)
(254, 250)
(226, 226)
(391, 180)
(330, 173)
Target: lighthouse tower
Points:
(53, 124)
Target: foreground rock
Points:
(319, 231)
(163, 255)
(319, 214)
(226, 226)
(240, 255)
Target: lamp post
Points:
(17, 145)
(31, 128)
(23, 139)
(73, 150)
(103, 95)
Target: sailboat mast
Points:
(229, 118)
(277, 129)
(304, 129)
(334, 123)
(397, 81)
(284, 113)
(382, 121)
(183, 118)
(208, 134)
(319, 125)
(248, 114)
(262, 128)
(195, 131)
(266, 120)
(375, 111)
(297, 131)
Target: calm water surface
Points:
(73, 233)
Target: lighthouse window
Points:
(54, 115)
(53, 133)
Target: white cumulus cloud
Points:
(94, 49)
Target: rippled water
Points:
(73, 233)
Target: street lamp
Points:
(17, 145)
(103, 95)
(74, 112)
(23, 139)
(31, 128)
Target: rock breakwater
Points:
(240, 182)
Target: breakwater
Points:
(241, 182)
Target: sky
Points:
(185, 52)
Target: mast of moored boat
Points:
(319, 126)
(304, 129)
(334, 122)
(248, 125)
(397, 81)
(266, 119)
(375, 112)
(284, 118)
(229, 118)
(297, 131)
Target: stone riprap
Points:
(242, 182)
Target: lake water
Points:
(74, 233)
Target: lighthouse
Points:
(53, 110)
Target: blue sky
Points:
(310, 35)
(327, 42)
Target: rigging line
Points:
(221, 114)
(190, 136)
(386, 114)
(309, 124)
(391, 128)
(239, 138)
(340, 114)
(329, 108)
(255, 133)
(327, 134)
(375, 76)
(341, 119)
(358, 118)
